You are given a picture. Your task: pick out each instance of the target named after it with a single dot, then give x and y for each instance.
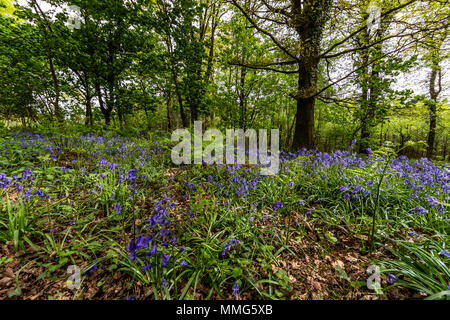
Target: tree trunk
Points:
(432, 131)
(88, 120)
(432, 108)
(309, 18)
(242, 98)
(107, 115)
(304, 126)
(169, 103)
(364, 137)
(370, 80)
(365, 133)
(179, 96)
(45, 30)
(55, 85)
(444, 152)
(106, 111)
(194, 112)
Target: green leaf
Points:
(330, 238)
(237, 272)
(15, 293)
(342, 274)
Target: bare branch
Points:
(325, 54)
(263, 67)
(263, 31)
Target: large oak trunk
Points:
(306, 101)
(309, 19)
(304, 127)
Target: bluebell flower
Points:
(236, 289)
(39, 193)
(183, 263)
(445, 253)
(132, 250)
(172, 205)
(165, 260)
(91, 269)
(432, 202)
(132, 175)
(142, 242)
(414, 234)
(145, 268)
(420, 210)
(277, 205)
(391, 278)
(153, 251)
(117, 208)
(229, 245)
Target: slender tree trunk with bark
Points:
(107, 115)
(180, 97)
(436, 74)
(169, 103)
(242, 98)
(45, 29)
(89, 119)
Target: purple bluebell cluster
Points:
(228, 246)
(41, 194)
(159, 243)
(420, 210)
(277, 205)
(121, 169)
(117, 208)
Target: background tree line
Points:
(325, 72)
